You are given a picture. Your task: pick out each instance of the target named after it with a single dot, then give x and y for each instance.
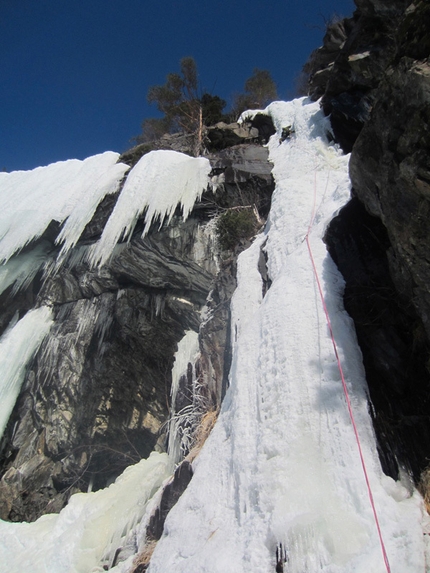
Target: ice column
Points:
(17, 347)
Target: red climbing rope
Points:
(345, 389)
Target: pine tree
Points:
(178, 100)
(260, 90)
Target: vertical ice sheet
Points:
(281, 464)
(86, 533)
(17, 347)
(30, 200)
(158, 183)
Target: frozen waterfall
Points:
(281, 465)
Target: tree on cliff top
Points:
(178, 98)
(183, 107)
(260, 90)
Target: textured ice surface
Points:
(17, 346)
(157, 184)
(30, 200)
(83, 212)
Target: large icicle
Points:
(180, 422)
(30, 200)
(158, 183)
(86, 534)
(281, 465)
(17, 346)
(83, 212)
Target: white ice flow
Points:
(71, 189)
(282, 465)
(17, 346)
(157, 184)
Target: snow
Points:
(17, 346)
(157, 184)
(281, 465)
(89, 530)
(32, 199)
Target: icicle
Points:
(17, 347)
(30, 200)
(205, 248)
(179, 441)
(82, 214)
(21, 270)
(104, 319)
(157, 184)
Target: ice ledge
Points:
(157, 184)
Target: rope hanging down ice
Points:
(345, 388)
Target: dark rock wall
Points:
(373, 76)
(96, 397)
(391, 336)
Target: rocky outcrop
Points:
(373, 76)
(347, 69)
(214, 138)
(390, 171)
(222, 135)
(96, 397)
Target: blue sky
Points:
(74, 74)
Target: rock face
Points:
(373, 75)
(96, 397)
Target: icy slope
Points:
(282, 465)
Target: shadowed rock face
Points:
(391, 336)
(390, 171)
(96, 397)
(376, 89)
